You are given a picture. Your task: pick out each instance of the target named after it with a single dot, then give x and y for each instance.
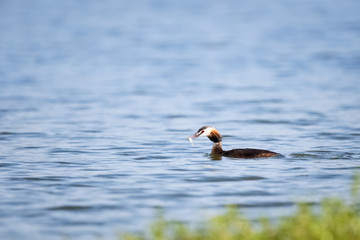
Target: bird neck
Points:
(217, 148)
(214, 136)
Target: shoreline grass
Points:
(334, 219)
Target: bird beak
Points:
(192, 137)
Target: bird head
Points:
(207, 131)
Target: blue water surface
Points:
(97, 99)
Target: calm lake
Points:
(97, 99)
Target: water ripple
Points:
(225, 179)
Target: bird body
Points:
(217, 150)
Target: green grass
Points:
(335, 219)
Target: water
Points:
(97, 100)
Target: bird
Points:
(213, 134)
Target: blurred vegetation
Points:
(334, 219)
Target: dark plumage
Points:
(217, 150)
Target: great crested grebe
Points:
(217, 150)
